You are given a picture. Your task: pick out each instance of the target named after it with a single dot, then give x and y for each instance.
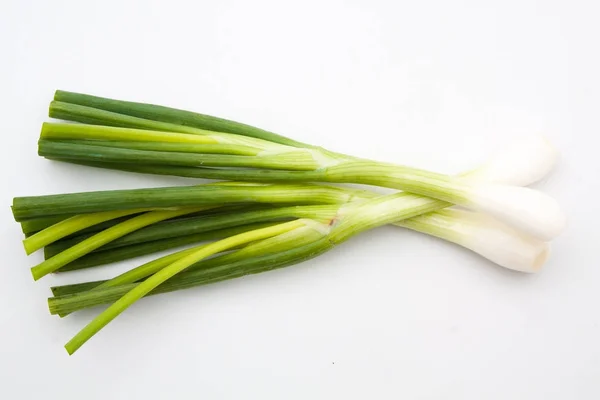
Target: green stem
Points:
(335, 169)
(169, 115)
(74, 288)
(96, 116)
(352, 219)
(270, 245)
(148, 268)
(71, 225)
(359, 217)
(92, 229)
(74, 297)
(343, 169)
(164, 274)
(104, 237)
(34, 225)
(190, 196)
(61, 131)
(300, 160)
(96, 258)
(199, 224)
(228, 149)
(424, 183)
(346, 171)
(248, 175)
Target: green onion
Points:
(113, 255)
(504, 223)
(248, 175)
(523, 208)
(474, 231)
(515, 206)
(190, 196)
(90, 244)
(189, 226)
(34, 225)
(238, 150)
(75, 150)
(71, 225)
(171, 270)
(489, 169)
(194, 225)
(154, 266)
(152, 112)
(349, 220)
(74, 297)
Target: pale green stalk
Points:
(261, 247)
(51, 130)
(59, 131)
(167, 197)
(110, 234)
(164, 274)
(71, 225)
(523, 209)
(148, 268)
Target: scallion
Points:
(295, 161)
(269, 217)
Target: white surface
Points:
(390, 315)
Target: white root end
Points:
(486, 236)
(528, 210)
(500, 243)
(523, 163)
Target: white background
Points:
(389, 315)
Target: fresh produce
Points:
(155, 139)
(268, 217)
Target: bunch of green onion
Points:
(267, 212)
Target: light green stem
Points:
(230, 149)
(100, 239)
(62, 131)
(98, 132)
(95, 116)
(171, 270)
(147, 269)
(104, 111)
(301, 236)
(71, 225)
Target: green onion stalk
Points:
(339, 214)
(273, 225)
(281, 244)
(163, 204)
(155, 139)
(141, 221)
(322, 228)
